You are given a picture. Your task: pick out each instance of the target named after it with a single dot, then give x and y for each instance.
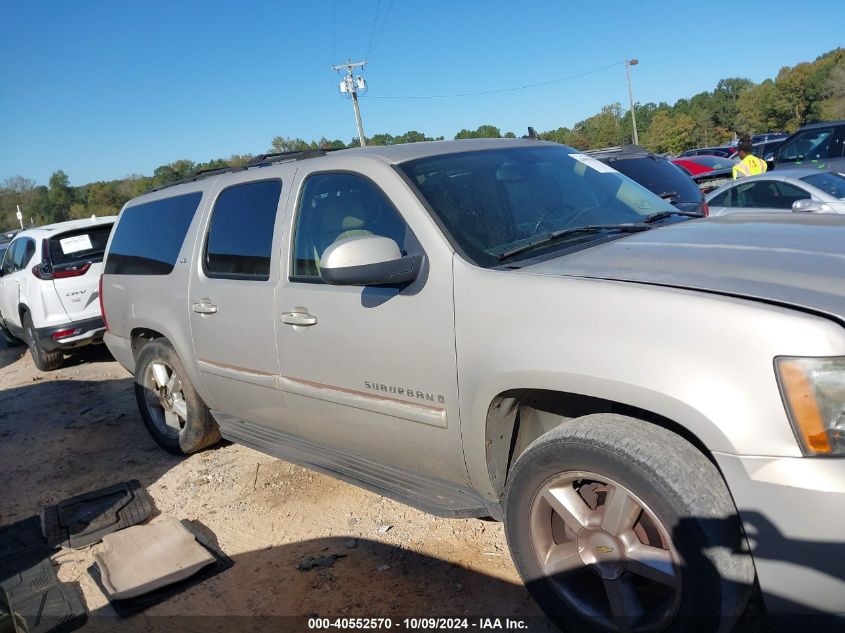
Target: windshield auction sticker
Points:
(591, 162)
(75, 244)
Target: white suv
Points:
(49, 294)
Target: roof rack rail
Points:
(275, 157)
(199, 175)
(261, 160)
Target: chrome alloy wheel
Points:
(164, 398)
(605, 553)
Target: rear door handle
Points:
(298, 318)
(204, 307)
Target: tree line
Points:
(805, 93)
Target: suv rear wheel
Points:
(44, 360)
(173, 411)
(618, 525)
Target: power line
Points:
(499, 90)
(373, 30)
(381, 30)
(334, 28)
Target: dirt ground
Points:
(78, 429)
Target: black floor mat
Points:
(29, 584)
(87, 518)
(45, 604)
(129, 606)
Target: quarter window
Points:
(240, 237)
(22, 254)
(149, 236)
(337, 206)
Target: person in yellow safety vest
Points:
(749, 164)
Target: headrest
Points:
(341, 213)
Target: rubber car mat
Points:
(35, 597)
(20, 536)
(84, 519)
(130, 606)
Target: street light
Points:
(628, 64)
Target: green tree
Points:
(285, 144)
(60, 197)
(724, 99)
(482, 131)
(670, 133)
(833, 105)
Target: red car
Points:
(692, 167)
(696, 165)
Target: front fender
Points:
(704, 361)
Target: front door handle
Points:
(298, 318)
(204, 307)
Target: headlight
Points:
(814, 394)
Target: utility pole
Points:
(628, 64)
(352, 85)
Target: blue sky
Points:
(106, 89)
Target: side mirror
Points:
(810, 206)
(368, 260)
(770, 160)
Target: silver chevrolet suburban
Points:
(652, 402)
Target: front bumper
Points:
(793, 509)
(87, 332)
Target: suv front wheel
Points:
(619, 525)
(173, 411)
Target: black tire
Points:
(680, 486)
(44, 360)
(199, 430)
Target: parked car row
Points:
(820, 145)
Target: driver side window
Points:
(337, 206)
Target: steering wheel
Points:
(544, 216)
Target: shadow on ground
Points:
(9, 353)
(61, 437)
(369, 580)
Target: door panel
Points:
(231, 300)
(373, 373)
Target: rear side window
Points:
(149, 236)
(240, 237)
(829, 182)
(82, 245)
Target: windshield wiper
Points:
(665, 214)
(591, 228)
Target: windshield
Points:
(493, 201)
(715, 162)
(831, 183)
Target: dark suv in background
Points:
(655, 173)
(819, 145)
